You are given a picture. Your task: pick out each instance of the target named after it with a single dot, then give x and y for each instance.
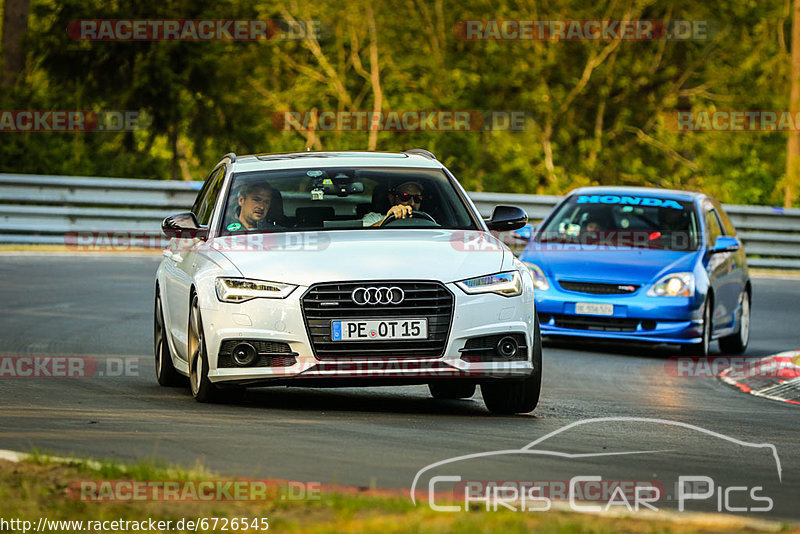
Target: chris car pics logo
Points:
(446, 490)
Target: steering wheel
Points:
(419, 214)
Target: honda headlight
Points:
(539, 279)
(508, 284)
(243, 289)
(673, 285)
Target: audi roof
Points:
(253, 162)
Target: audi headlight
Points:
(508, 284)
(539, 279)
(243, 289)
(673, 285)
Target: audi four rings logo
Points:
(378, 295)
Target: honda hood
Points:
(615, 265)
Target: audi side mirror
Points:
(184, 226)
(506, 218)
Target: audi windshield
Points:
(342, 198)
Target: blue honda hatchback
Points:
(642, 264)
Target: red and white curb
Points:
(775, 377)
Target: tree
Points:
(15, 24)
(793, 144)
(595, 109)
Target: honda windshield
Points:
(623, 221)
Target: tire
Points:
(517, 396)
(202, 388)
(737, 343)
(166, 374)
(455, 389)
(702, 348)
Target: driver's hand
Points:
(400, 211)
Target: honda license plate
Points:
(593, 308)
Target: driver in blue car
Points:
(404, 198)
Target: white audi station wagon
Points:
(332, 269)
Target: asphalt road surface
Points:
(101, 307)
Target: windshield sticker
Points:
(630, 201)
(234, 226)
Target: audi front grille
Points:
(325, 302)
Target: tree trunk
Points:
(793, 146)
(183, 160)
(15, 24)
(375, 78)
(172, 137)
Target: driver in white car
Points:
(405, 198)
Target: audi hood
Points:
(304, 258)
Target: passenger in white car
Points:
(256, 208)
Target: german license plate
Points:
(593, 308)
(373, 330)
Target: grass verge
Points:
(42, 486)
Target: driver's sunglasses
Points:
(405, 197)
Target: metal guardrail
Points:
(44, 209)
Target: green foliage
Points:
(598, 111)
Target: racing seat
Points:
(675, 229)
